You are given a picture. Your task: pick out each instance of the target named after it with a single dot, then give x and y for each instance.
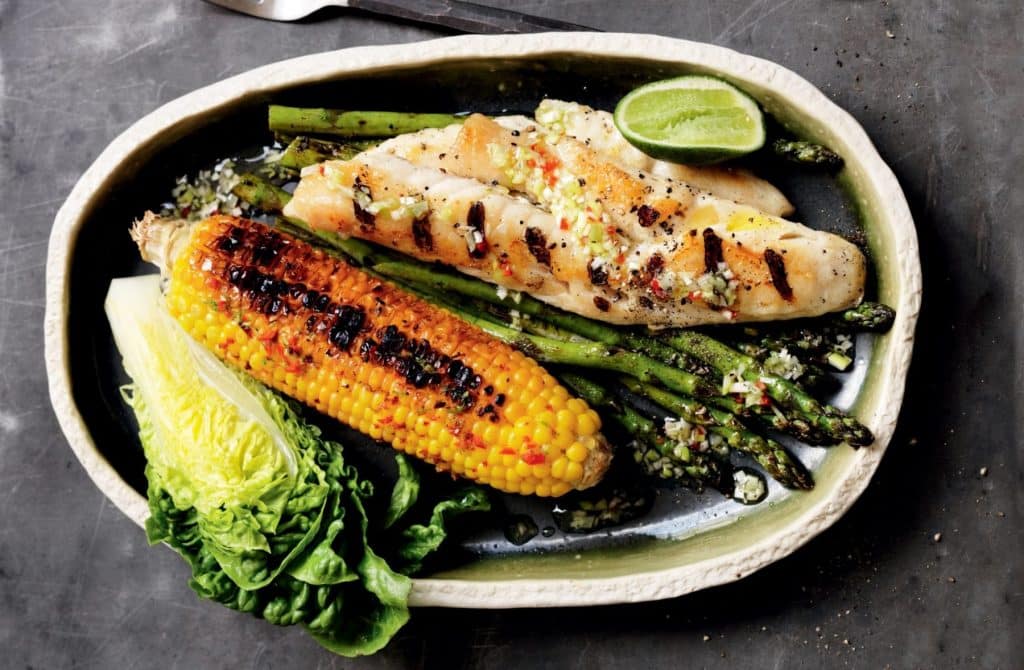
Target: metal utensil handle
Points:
(465, 16)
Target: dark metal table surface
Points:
(925, 571)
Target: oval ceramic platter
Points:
(688, 541)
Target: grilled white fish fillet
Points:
(702, 268)
(597, 130)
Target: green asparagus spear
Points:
(612, 336)
(316, 121)
(828, 420)
(807, 153)
(770, 455)
(656, 454)
(305, 151)
(872, 317)
(261, 193)
(585, 354)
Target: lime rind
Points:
(691, 119)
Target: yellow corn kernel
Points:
(587, 423)
(576, 453)
(558, 467)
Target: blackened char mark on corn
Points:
(712, 251)
(335, 323)
(231, 240)
(777, 269)
(538, 245)
(260, 248)
(347, 324)
(367, 221)
(475, 221)
(421, 233)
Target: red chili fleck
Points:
(222, 305)
(765, 400)
(321, 170)
(508, 451)
(533, 457)
(563, 223)
(530, 163)
(658, 291)
(620, 259)
(295, 367)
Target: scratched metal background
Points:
(938, 84)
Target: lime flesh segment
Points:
(691, 120)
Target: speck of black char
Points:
(475, 219)
(489, 390)
(421, 233)
(266, 250)
(366, 219)
(645, 302)
(601, 303)
(655, 264)
(231, 241)
(712, 250)
(366, 348)
(475, 216)
(647, 216)
(777, 269)
(499, 399)
(598, 274)
(537, 244)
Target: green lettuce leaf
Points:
(418, 540)
(405, 492)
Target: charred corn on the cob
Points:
(374, 357)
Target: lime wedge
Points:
(691, 120)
